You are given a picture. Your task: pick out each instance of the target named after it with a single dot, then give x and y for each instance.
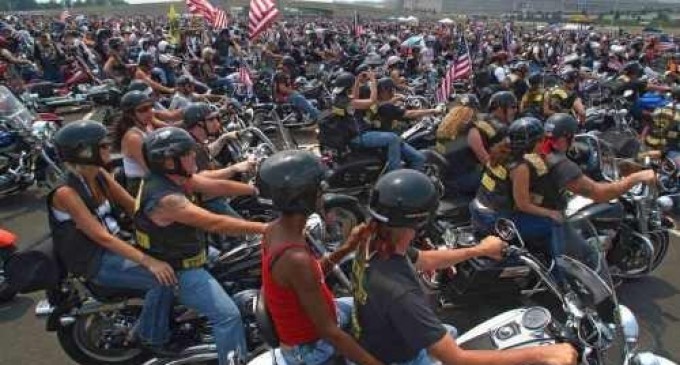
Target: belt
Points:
(193, 262)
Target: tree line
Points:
(26, 5)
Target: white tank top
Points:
(131, 167)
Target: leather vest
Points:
(672, 132)
(556, 197)
(179, 245)
(541, 187)
(561, 100)
(495, 191)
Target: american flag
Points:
(666, 43)
(357, 28)
(216, 17)
(262, 13)
(244, 77)
(460, 68)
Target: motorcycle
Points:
(636, 225)
(589, 317)
(27, 154)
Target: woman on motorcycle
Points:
(171, 227)
(458, 179)
(470, 150)
(306, 317)
(86, 233)
(129, 133)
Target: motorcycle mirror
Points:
(669, 167)
(507, 231)
(627, 93)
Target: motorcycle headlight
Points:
(665, 203)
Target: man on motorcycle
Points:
(185, 94)
(284, 92)
(389, 114)
(162, 116)
(664, 133)
(144, 73)
(170, 226)
(393, 319)
(518, 79)
(565, 99)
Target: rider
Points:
(306, 317)
(518, 79)
(666, 128)
(565, 99)
(162, 116)
(532, 102)
(144, 70)
(185, 94)
(86, 234)
(389, 114)
(115, 66)
(360, 103)
(459, 178)
(170, 226)
(284, 92)
(393, 319)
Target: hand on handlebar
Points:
(644, 176)
(492, 247)
(560, 354)
(556, 216)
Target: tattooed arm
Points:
(177, 208)
(602, 191)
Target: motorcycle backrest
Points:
(265, 323)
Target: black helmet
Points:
(196, 113)
(569, 75)
(560, 125)
(288, 61)
(133, 99)
(167, 142)
(633, 68)
(675, 92)
(79, 142)
(292, 180)
(115, 43)
(386, 84)
(524, 133)
(502, 99)
(536, 79)
(140, 85)
(469, 100)
(343, 82)
(146, 59)
(403, 198)
(373, 59)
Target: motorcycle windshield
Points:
(13, 110)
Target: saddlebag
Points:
(34, 268)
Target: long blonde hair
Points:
(454, 121)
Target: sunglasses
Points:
(144, 109)
(105, 145)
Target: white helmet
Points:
(162, 46)
(393, 60)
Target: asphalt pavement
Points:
(23, 340)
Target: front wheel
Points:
(99, 338)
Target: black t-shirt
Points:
(561, 174)
(388, 114)
(396, 320)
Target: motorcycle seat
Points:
(107, 294)
(44, 89)
(265, 323)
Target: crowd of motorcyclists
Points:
(505, 139)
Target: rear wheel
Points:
(100, 338)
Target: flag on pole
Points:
(244, 77)
(460, 68)
(262, 14)
(173, 25)
(203, 8)
(357, 28)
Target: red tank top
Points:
(290, 320)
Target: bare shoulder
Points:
(173, 202)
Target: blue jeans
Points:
(222, 82)
(462, 183)
(300, 102)
(423, 357)
(118, 272)
(396, 148)
(199, 291)
(320, 351)
(220, 205)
